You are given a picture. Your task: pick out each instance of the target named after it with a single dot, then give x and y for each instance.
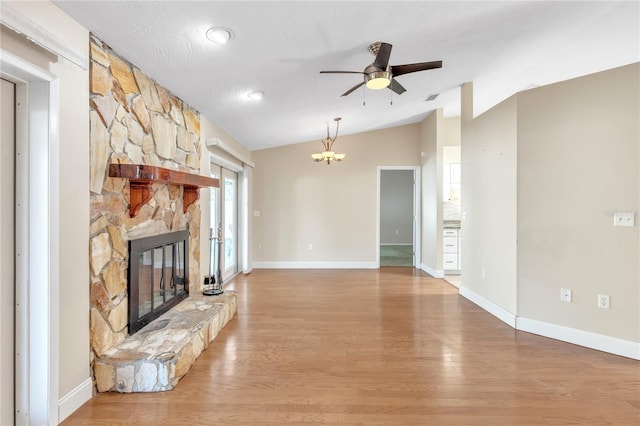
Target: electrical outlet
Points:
(623, 219)
(483, 273)
(603, 301)
(565, 295)
(310, 246)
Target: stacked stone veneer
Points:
(133, 120)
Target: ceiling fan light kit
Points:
(378, 80)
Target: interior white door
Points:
(7, 250)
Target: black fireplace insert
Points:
(158, 276)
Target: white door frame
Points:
(242, 171)
(37, 264)
(417, 258)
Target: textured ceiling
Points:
(280, 47)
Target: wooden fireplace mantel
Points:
(142, 176)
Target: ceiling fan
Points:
(380, 74)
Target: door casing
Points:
(36, 232)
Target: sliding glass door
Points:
(224, 215)
(229, 184)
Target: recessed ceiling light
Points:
(219, 35)
(256, 95)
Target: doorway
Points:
(7, 252)
(398, 228)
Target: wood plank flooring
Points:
(378, 347)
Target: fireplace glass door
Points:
(157, 276)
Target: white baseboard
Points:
(599, 342)
(436, 273)
(495, 310)
(587, 339)
(315, 265)
(74, 399)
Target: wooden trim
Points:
(141, 177)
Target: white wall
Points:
(7, 251)
(332, 207)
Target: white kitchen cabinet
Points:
(451, 249)
(450, 245)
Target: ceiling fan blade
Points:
(408, 68)
(397, 87)
(357, 86)
(382, 58)
(341, 72)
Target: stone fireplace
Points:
(133, 120)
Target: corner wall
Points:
(578, 162)
(550, 166)
(431, 156)
(489, 160)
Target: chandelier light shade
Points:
(328, 155)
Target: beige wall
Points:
(73, 82)
(489, 155)
(578, 161)
(452, 131)
(431, 154)
(550, 166)
(332, 207)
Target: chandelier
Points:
(328, 155)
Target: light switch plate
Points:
(623, 219)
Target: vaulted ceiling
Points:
(280, 47)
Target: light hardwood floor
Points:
(371, 347)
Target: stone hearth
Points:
(159, 355)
